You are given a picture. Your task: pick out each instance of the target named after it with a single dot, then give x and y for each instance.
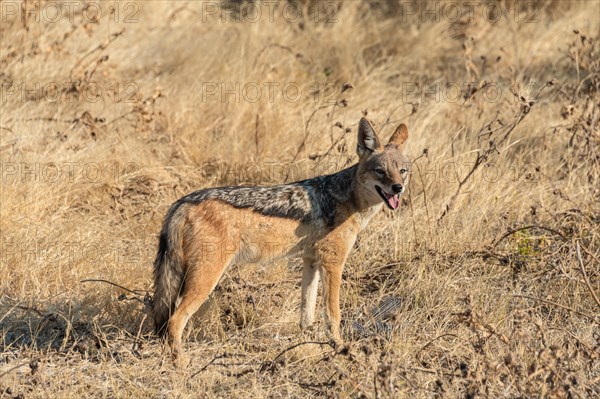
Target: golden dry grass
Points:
(128, 115)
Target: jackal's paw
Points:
(335, 339)
(306, 324)
(337, 344)
(181, 361)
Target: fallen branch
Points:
(99, 280)
(217, 357)
(147, 298)
(271, 364)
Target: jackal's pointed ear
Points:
(399, 136)
(368, 142)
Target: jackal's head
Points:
(383, 170)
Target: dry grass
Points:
(496, 300)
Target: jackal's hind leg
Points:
(202, 277)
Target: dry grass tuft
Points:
(493, 260)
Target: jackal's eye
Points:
(379, 171)
(403, 171)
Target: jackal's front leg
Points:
(331, 256)
(310, 285)
(332, 280)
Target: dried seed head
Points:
(347, 86)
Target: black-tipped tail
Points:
(168, 268)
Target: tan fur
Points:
(214, 234)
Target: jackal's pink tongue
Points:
(392, 200)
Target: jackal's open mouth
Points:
(391, 200)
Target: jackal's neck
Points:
(340, 185)
(345, 188)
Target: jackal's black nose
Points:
(397, 188)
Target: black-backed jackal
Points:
(317, 219)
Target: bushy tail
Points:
(169, 268)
